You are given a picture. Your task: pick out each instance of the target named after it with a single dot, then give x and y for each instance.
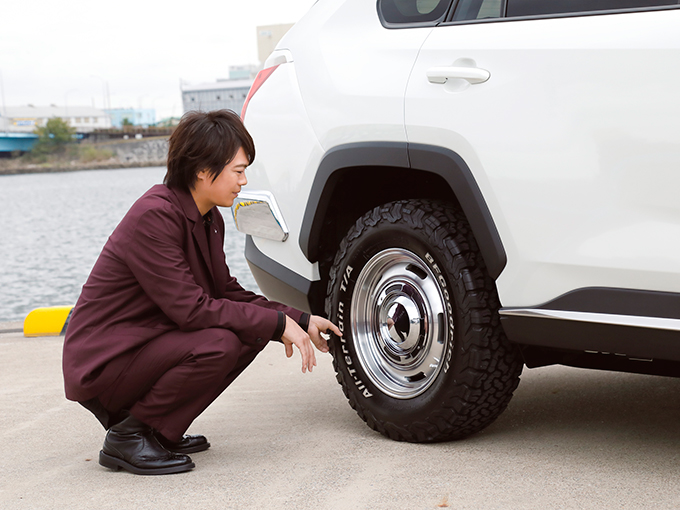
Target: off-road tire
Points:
(431, 262)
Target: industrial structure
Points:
(219, 95)
(231, 93)
(224, 94)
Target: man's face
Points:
(225, 188)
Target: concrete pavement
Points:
(570, 439)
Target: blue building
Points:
(21, 142)
(12, 141)
(142, 117)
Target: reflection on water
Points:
(53, 226)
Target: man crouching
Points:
(161, 328)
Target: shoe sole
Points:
(115, 463)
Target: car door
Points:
(570, 125)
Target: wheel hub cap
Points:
(402, 320)
(399, 323)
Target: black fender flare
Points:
(427, 158)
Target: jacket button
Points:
(259, 340)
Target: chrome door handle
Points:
(470, 74)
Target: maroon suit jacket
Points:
(158, 272)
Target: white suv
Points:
(469, 186)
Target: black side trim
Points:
(541, 356)
(575, 14)
(344, 156)
(630, 342)
(641, 303)
(436, 160)
(636, 342)
(277, 282)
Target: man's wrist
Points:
(280, 326)
(304, 321)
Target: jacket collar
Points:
(186, 201)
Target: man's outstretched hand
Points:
(295, 335)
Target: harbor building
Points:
(224, 94)
(140, 117)
(85, 119)
(220, 95)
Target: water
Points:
(53, 226)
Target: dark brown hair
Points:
(205, 141)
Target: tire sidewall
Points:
(359, 387)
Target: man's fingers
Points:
(304, 341)
(311, 358)
(319, 341)
(326, 325)
(319, 324)
(334, 328)
(304, 345)
(304, 352)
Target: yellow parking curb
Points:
(48, 321)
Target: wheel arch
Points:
(354, 178)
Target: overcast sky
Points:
(63, 51)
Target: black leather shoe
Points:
(188, 444)
(132, 445)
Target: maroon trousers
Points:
(172, 379)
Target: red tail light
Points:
(259, 81)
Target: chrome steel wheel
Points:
(399, 323)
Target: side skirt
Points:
(630, 325)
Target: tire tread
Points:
(493, 365)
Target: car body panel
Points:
(574, 142)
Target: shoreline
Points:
(74, 166)
(144, 152)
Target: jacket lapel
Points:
(219, 264)
(191, 211)
(202, 241)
